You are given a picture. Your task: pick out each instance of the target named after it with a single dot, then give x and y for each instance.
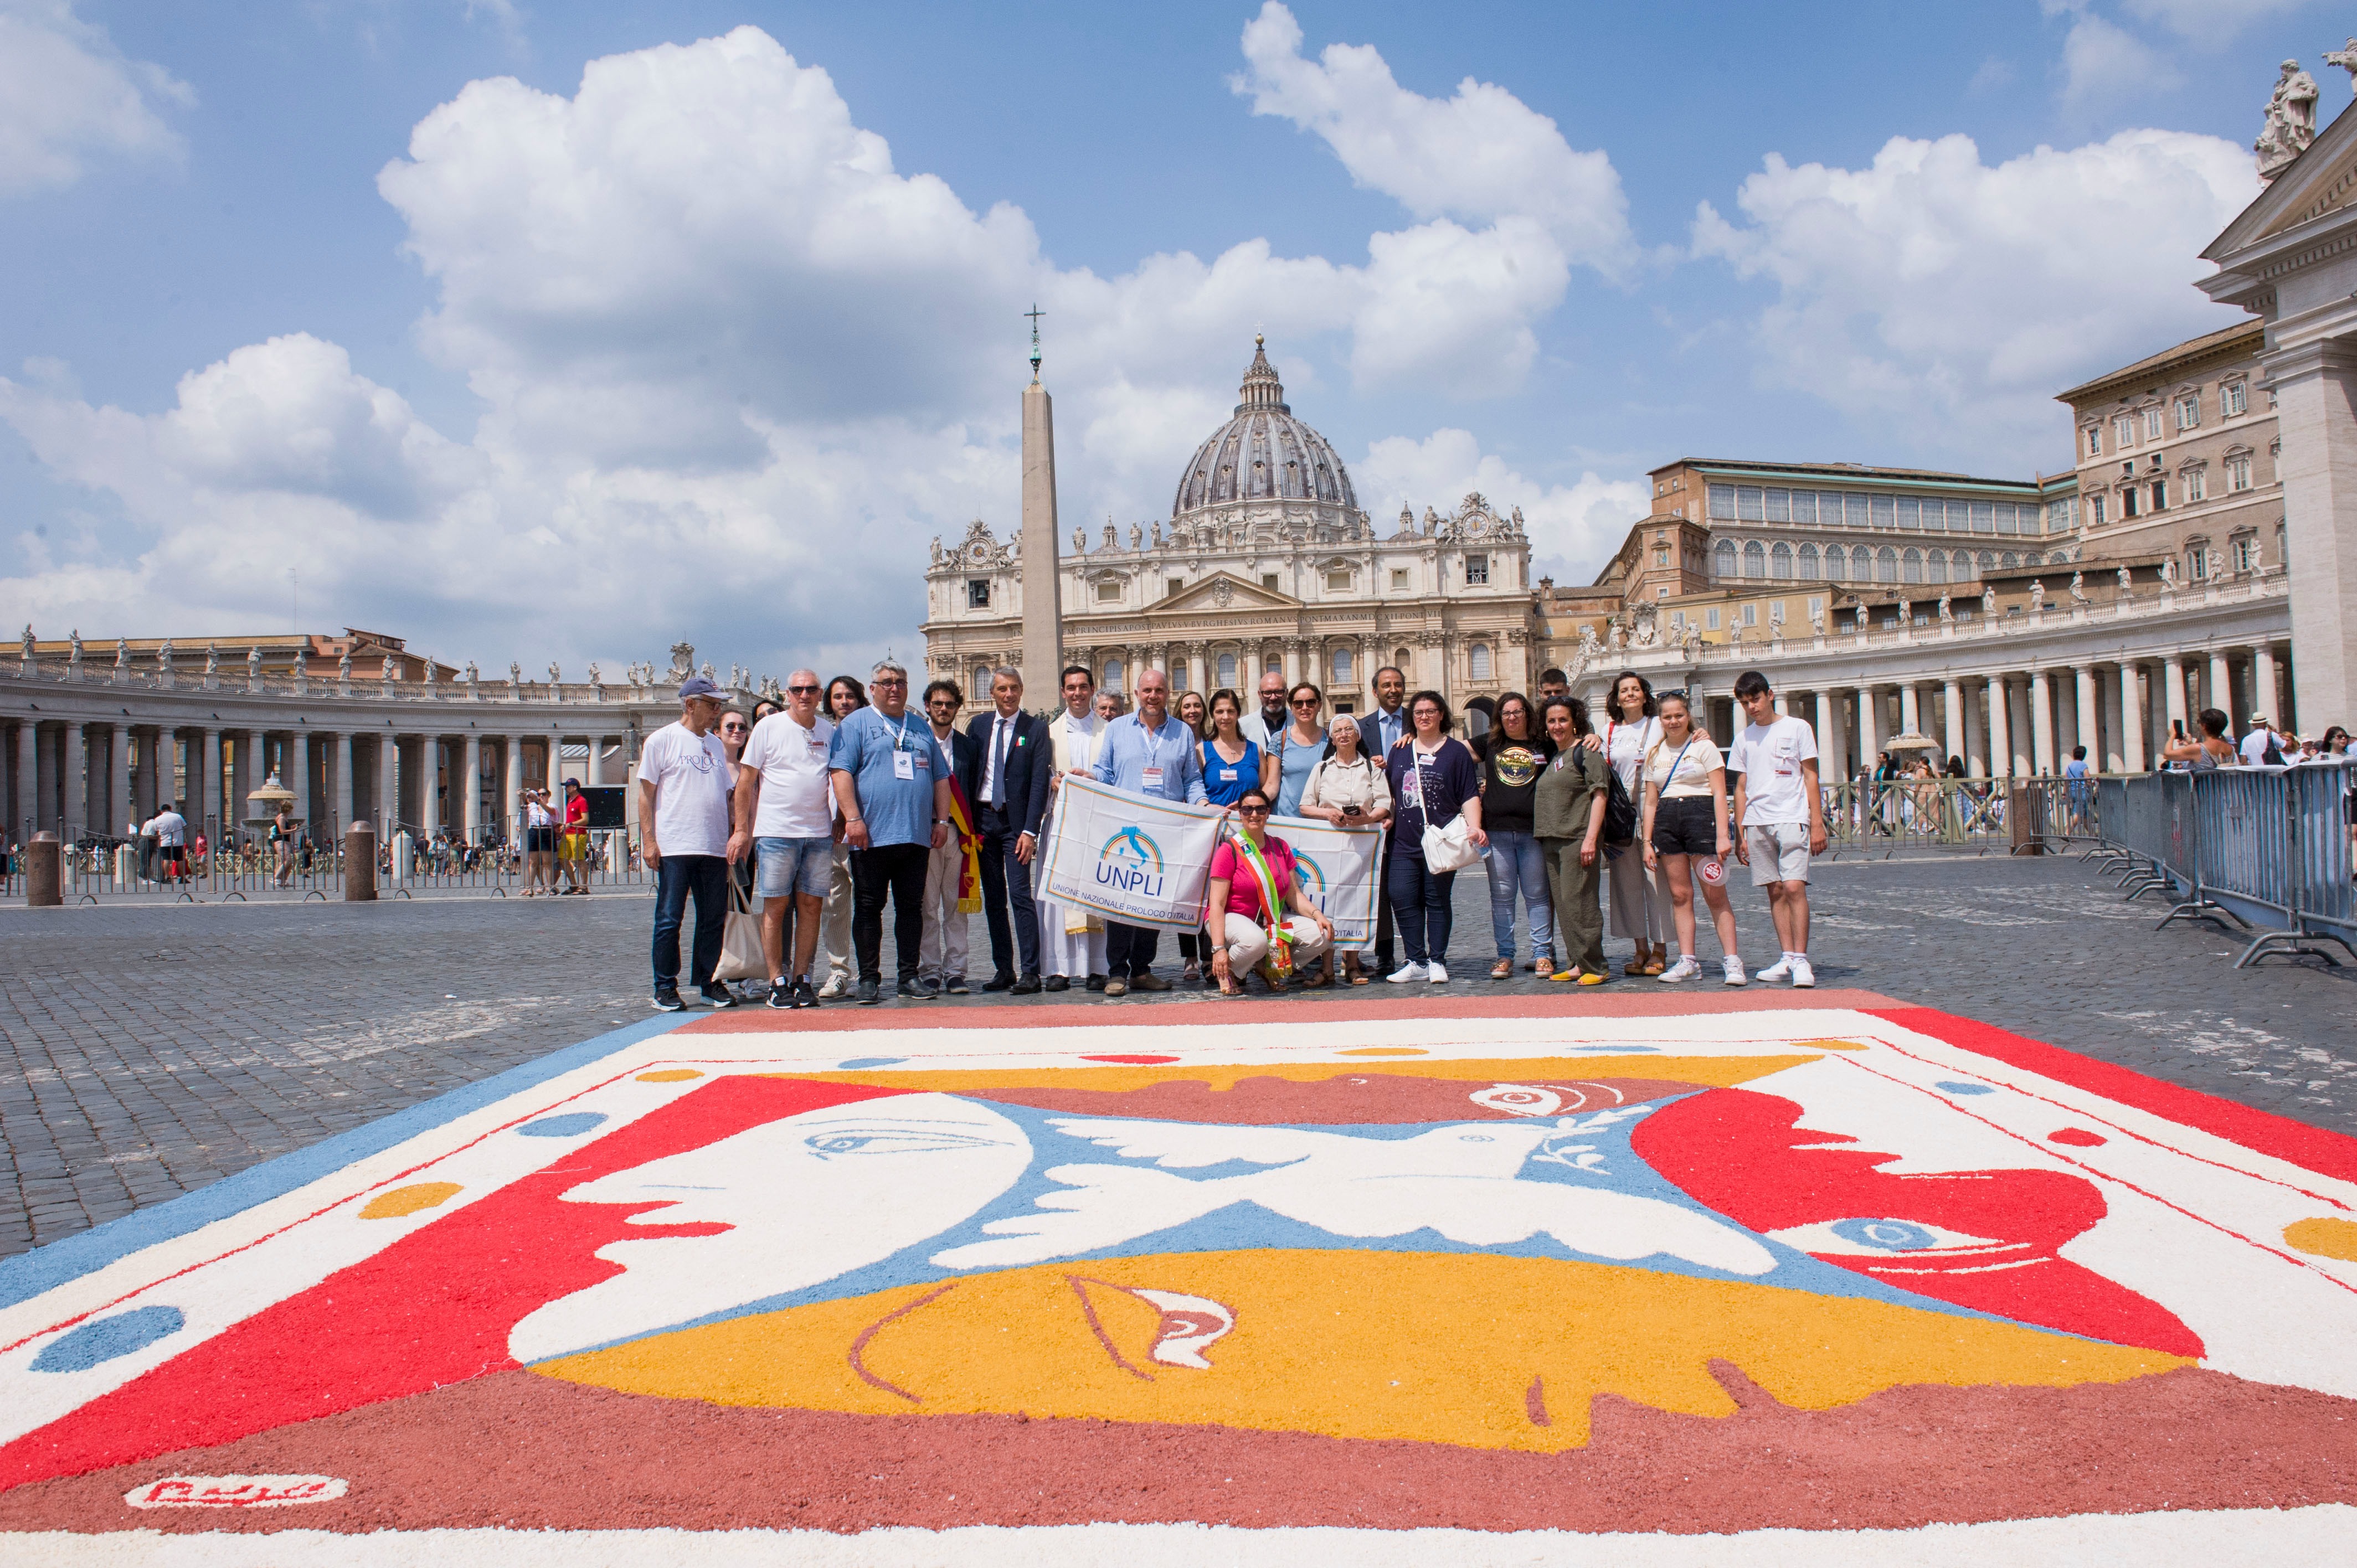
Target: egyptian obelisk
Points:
(1043, 604)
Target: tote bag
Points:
(740, 940)
(1445, 849)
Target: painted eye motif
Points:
(892, 1139)
(1862, 1236)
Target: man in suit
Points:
(940, 951)
(1010, 792)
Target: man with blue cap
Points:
(684, 834)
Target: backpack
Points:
(1619, 812)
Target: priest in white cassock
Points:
(1071, 940)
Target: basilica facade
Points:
(1266, 563)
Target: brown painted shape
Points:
(1346, 1100)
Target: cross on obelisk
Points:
(1034, 313)
(1043, 624)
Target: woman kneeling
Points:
(1252, 879)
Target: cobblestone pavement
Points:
(152, 1049)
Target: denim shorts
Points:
(793, 865)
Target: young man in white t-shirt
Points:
(785, 818)
(684, 834)
(1781, 818)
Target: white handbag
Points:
(741, 956)
(1450, 848)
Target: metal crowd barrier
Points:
(2266, 848)
(2012, 815)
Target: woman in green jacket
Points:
(1567, 811)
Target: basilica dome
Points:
(1262, 454)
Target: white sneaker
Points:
(1781, 970)
(1733, 965)
(1687, 967)
(1437, 975)
(1803, 977)
(837, 985)
(1406, 972)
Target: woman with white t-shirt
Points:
(1686, 833)
(1630, 733)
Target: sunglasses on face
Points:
(1305, 702)
(803, 690)
(1251, 811)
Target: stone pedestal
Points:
(45, 865)
(360, 864)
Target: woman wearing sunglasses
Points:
(1686, 833)
(845, 697)
(1298, 747)
(1252, 885)
(1232, 765)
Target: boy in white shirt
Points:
(1779, 816)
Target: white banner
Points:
(1147, 862)
(1131, 858)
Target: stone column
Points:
(388, 785)
(1869, 730)
(118, 781)
(297, 778)
(2000, 719)
(470, 782)
(2180, 711)
(2263, 684)
(1975, 737)
(1829, 762)
(2315, 385)
(429, 784)
(511, 788)
(2103, 727)
(73, 770)
(2222, 696)
(1910, 722)
(594, 772)
(2087, 730)
(1954, 718)
(27, 804)
(2041, 724)
(340, 759)
(2136, 713)
(1833, 739)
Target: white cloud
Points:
(1952, 299)
(2209, 21)
(1481, 156)
(2106, 68)
(1572, 526)
(67, 94)
(733, 367)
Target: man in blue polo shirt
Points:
(1145, 753)
(893, 785)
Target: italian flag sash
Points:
(969, 888)
(1279, 962)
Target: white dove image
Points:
(1460, 1180)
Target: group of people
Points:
(556, 837)
(841, 800)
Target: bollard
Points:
(45, 872)
(360, 863)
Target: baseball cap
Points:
(701, 686)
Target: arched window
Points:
(1808, 562)
(1722, 559)
(1837, 564)
(1936, 566)
(2011, 559)
(1112, 681)
(1755, 560)
(980, 686)
(1403, 661)
(1780, 565)
(1911, 567)
(1480, 661)
(1988, 564)
(1177, 673)
(1227, 671)
(1886, 565)
(1341, 667)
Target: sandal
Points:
(1358, 976)
(1502, 969)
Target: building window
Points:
(2011, 561)
(1227, 667)
(2123, 431)
(2152, 423)
(1935, 566)
(2006, 517)
(1722, 559)
(1886, 565)
(1755, 560)
(1780, 562)
(2094, 441)
(2160, 495)
(1710, 618)
(2197, 561)
(1780, 506)
(1477, 569)
(1935, 515)
(1808, 562)
(1113, 672)
(1404, 661)
(1748, 504)
(1338, 581)
(1886, 510)
(2233, 397)
(2246, 553)
(1109, 591)
(2196, 481)
(1479, 661)
(1722, 503)
(2188, 412)
(1837, 564)
(1677, 620)
(2238, 473)
(1911, 566)
(1268, 581)
(2128, 497)
(1984, 515)
(977, 592)
(1341, 667)
(1399, 580)
(2095, 511)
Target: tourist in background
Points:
(1348, 788)
(1148, 752)
(684, 809)
(845, 697)
(1110, 706)
(942, 948)
(2212, 750)
(1568, 803)
(572, 837)
(892, 785)
(2261, 746)
(1779, 815)
(1297, 747)
(1260, 727)
(1553, 683)
(539, 844)
(1194, 714)
(1511, 762)
(784, 820)
(1433, 781)
(282, 843)
(1246, 869)
(1013, 772)
(1639, 912)
(1072, 940)
(1686, 835)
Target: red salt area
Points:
(2078, 1137)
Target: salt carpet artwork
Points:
(1605, 1266)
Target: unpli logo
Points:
(235, 1491)
(1313, 877)
(1131, 862)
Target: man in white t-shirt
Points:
(1781, 818)
(2259, 741)
(785, 818)
(684, 834)
(170, 832)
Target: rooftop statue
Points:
(2290, 122)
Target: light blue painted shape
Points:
(1890, 1235)
(859, 1063)
(84, 1347)
(1965, 1088)
(571, 1124)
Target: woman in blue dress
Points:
(1298, 747)
(1232, 764)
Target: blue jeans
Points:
(794, 866)
(677, 876)
(1517, 864)
(1420, 907)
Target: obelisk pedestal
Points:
(1043, 605)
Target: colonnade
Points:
(1429, 660)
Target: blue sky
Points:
(706, 344)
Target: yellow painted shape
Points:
(1386, 1051)
(410, 1199)
(1827, 1045)
(1716, 1072)
(1434, 1347)
(670, 1075)
(2324, 1238)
